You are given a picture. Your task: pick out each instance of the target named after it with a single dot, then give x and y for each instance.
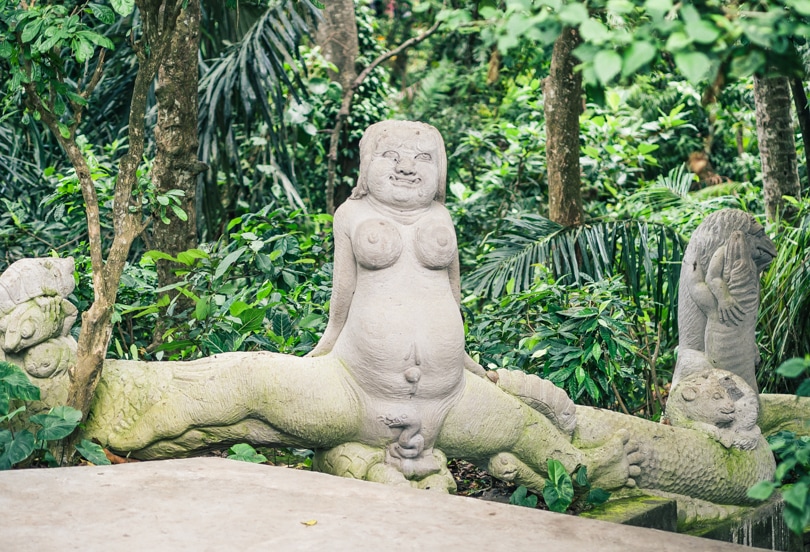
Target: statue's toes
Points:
(503, 466)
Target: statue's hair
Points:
(716, 229)
(373, 135)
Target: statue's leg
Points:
(308, 399)
(486, 423)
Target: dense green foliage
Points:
(591, 308)
(792, 477)
(21, 443)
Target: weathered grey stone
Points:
(719, 295)
(36, 317)
(718, 403)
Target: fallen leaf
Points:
(309, 523)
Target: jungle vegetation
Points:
(585, 141)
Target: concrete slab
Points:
(217, 504)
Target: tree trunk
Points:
(777, 150)
(158, 20)
(337, 37)
(176, 164)
(563, 105)
(803, 114)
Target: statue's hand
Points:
(318, 351)
(730, 311)
(472, 366)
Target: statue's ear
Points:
(689, 393)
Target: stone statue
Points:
(36, 317)
(718, 297)
(389, 392)
(394, 316)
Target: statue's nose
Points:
(405, 166)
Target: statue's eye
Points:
(27, 329)
(424, 157)
(390, 154)
(718, 396)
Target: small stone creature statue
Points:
(719, 295)
(718, 403)
(36, 317)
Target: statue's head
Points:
(30, 324)
(718, 227)
(403, 164)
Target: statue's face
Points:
(763, 250)
(404, 172)
(26, 326)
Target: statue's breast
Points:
(377, 243)
(435, 245)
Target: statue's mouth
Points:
(405, 182)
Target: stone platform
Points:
(216, 504)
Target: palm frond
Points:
(249, 82)
(647, 255)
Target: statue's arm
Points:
(454, 273)
(728, 309)
(344, 281)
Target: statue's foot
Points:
(353, 460)
(615, 464)
(507, 467)
(442, 481)
(359, 461)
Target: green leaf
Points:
(102, 13)
(93, 453)
(792, 368)
(559, 490)
(597, 497)
(796, 494)
(63, 130)
(58, 423)
(246, 453)
(31, 30)
(636, 56)
(594, 31)
(228, 261)
(521, 497)
(607, 65)
(123, 7)
(189, 256)
(201, 308)
(694, 65)
(573, 14)
(6, 49)
(762, 490)
(179, 213)
(82, 50)
(17, 383)
(804, 389)
(17, 449)
(796, 519)
(252, 320)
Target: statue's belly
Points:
(404, 345)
